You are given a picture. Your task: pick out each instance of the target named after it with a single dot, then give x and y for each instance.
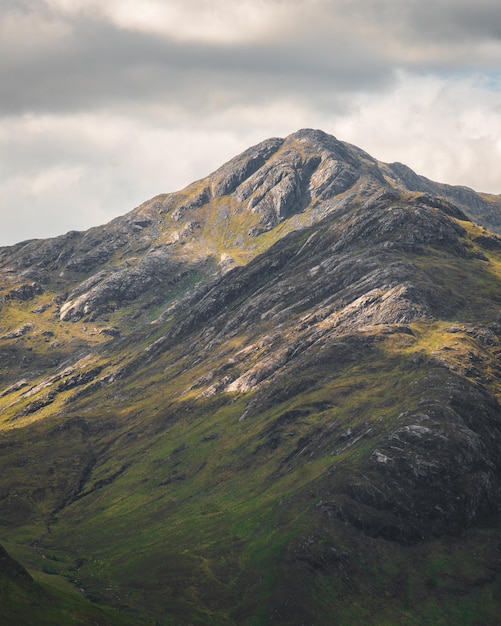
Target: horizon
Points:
(105, 105)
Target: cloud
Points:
(449, 21)
(446, 129)
(217, 21)
(97, 64)
(87, 54)
(106, 103)
(23, 34)
(61, 173)
(224, 21)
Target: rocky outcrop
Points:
(481, 208)
(25, 292)
(122, 284)
(435, 473)
(298, 353)
(296, 181)
(228, 177)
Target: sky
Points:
(107, 103)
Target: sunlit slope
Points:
(306, 430)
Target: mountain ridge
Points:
(270, 397)
(260, 184)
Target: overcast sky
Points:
(106, 103)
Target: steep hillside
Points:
(272, 397)
(25, 601)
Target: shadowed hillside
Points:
(271, 397)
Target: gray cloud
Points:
(341, 48)
(100, 66)
(452, 20)
(425, 21)
(102, 106)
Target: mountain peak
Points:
(270, 396)
(311, 134)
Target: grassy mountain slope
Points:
(270, 398)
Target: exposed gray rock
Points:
(228, 177)
(123, 283)
(437, 473)
(19, 332)
(478, 207)
(336, 361)
(25, 292)
(14, 387)
(192, 204)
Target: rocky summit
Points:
(269, 398)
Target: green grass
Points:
(191, 503)
(48, 601)
(161, 503)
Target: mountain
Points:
(271, 397)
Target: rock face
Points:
(305, 177)
(262, 386)
(436, 473)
